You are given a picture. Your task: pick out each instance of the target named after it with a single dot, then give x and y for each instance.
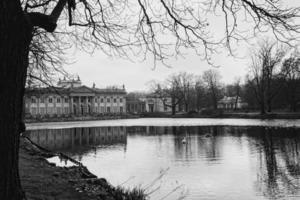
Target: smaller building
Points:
(137, 103)
(231, 103)
(154, 103)
(135, 106)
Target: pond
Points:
(187, 158)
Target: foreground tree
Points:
(120, 28)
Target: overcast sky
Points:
(106, 71)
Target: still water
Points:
(187, 162)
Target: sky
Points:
(106, 71)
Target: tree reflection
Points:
(278, 171)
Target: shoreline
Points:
(44, 180)
(240, 115)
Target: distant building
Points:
(135, 106)
(73, 98)
(154, 103)
(231, 103)
(140, 103)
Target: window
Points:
(115, 100)
(101, 100)
(66, 110)
(108, 109)
(50, 100)
(42, 110)
(89, 99)
(58, 100)
(33, 111)
(121, 100)
(121, 109)
(33, 100)
(66, 100)
(42, 100)
(96, 100)
(102, 109)
(108, 100)
(82, 100)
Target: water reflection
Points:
(79, 140)
(215, 162)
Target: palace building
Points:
(70, 97)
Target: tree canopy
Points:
(160, 29)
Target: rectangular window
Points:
(108, 109)
(96, 100)
(115, 100)
(33, 111)
(66, 110)
(66, 100)
(101, 100)
(50, 100)
(121, 100)
(58, 100)
(82, 100)
(58, 111)
(108, 100)
(42, 100)
(121, 109)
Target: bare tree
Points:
(291, 72)
(185, 85)
(237, 88)
(122, 28)
(212, 80)
(263, 70)
(200, 91)
(169, 89)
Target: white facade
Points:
(80, 100)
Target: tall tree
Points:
(263, 70)
(212, 80)
(170, 89)
(291, 73)
(120, 28)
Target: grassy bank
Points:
(78, 118)
(221, 114)
(43, 180)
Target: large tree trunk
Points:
(269, 105)
(15, 37)
(173, 109)
(262, 108)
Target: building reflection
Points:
(74, 138)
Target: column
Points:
(79, 105)
(93, 105)
(71, 108)
(87, 105)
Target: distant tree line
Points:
(273, 82)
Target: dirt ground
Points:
(42, 180)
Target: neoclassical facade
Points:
(73, 98)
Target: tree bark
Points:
(15, 37)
